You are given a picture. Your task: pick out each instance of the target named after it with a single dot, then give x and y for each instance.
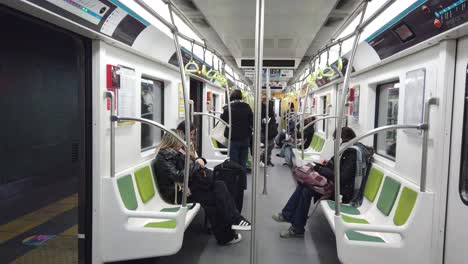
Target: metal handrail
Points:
(110, 95)
(341, 107)
(363, 25)
(211, 115)
(151, 123)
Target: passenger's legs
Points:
(299, 217)
(290, 207)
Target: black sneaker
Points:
(270, 164)
(242, 224)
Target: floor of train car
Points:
(318, 245)
(50, 210)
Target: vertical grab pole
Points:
(259, 31)
(341, 106)
(302, 121)
(267, 115)
(229, 116)
(186, 106)
(430, 101)
(326, 121)
(110, 95)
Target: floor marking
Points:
(35, 218)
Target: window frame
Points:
(163, 85)
(376, 117)
(463, 181)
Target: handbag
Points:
(312, 179)
(217, 133)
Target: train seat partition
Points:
(320, 148)
(394, 227)
(135, 214)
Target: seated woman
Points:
(213, 196)
(297, 208)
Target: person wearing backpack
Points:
(296, 209)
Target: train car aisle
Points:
(318, 245)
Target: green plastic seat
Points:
(144, 181)
(354, 220)
(373, 184)
(388, 195)
(127, 192)
(357, 236)
(405, 206)
(169, 224)
(176, 209)
(344, 208)
(313, 142)
(215, 143)
(320, 144)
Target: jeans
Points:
(297, 208)
(240, 153)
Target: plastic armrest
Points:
(373, 228)
(151, 214)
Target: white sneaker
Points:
(262, 165)
(243, 225)
(237, 238)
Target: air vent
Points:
(270, 63)
(186, 5)
(333, 21)
(75, 152)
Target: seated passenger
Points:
(213, 196)
(286, 150)
(297, 208)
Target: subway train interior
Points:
(217, 131)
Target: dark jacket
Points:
(308, 134)
(347, 173)
(272, 126)
(169, 169)
(242, 121)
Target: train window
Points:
(387, 114)
(152, 106)
(464, 158)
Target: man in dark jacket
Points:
(242, 123)
(272, 130)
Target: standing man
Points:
(269, 121)
(241, 125)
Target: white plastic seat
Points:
(394, 229)
(133, 213)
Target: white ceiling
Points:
(290, 25)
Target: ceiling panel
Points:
(290, 26)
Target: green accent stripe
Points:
(356, 236)
(373, 184)
(344, 208)
(405, 206)
(354, 220)
(127, 192)
(144, 180)
(388, 195)
(169, 224)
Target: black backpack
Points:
(233, 175)
(364, 158)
